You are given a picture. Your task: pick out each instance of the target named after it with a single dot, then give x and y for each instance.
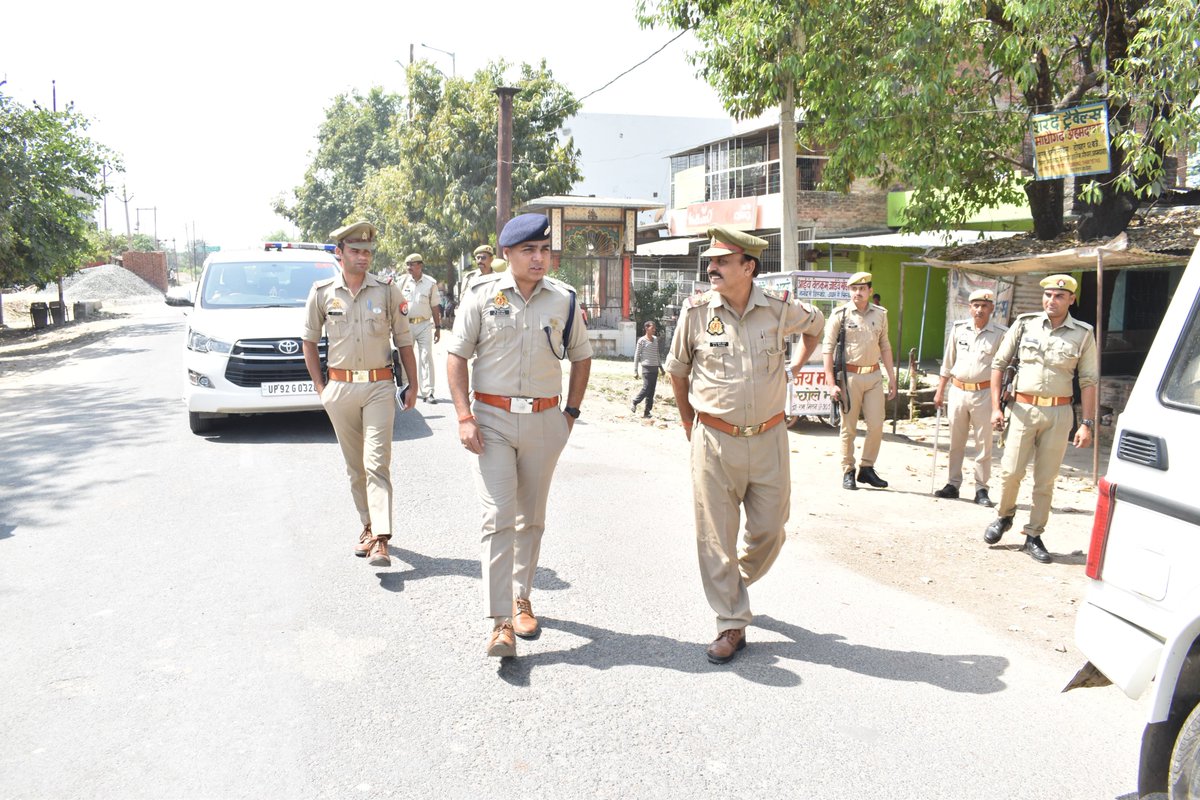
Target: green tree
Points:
(357, 138)
(439, 198)
(50, 179)
(936, 95)
(649, 301)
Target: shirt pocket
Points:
(715, 361)
(377, 325)
(1062, 353)
(555, 326)
(768, 359)
(499, 329)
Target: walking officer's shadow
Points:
(759, 662)
(422, 567)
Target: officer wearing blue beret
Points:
(514, 328)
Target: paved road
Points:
(182, 618)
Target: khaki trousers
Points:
(1038, 433)
(363, 415)
(512, 478)
(729, 472)
(866, 399)
(970, 413)
(422, 334)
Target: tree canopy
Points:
(936, 95)
(429, 183)
(50, 179)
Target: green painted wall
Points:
(884, 266)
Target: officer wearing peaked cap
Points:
(361, 316)
(425, 317)
(867, 344)
(516, 327)
(728, 373)
(1051, 349)
(967, 371)
(484, 255)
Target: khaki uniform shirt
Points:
(866, 334)
(1049, 357)
(969, 351)
(736, 364)
(507, 336)
(421, 295)
(359, 326)
(466, 281)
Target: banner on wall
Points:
(1073, 141)
(959, 288)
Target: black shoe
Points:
(994, 531)
(633, 407)
(1033, 546)
(646, 415)
(982, 499)
(947, 492)
(869, 476)
(848, 481)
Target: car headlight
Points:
(206, 344)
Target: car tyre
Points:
(1183, 779)
(199, 424)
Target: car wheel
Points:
(1183, 779)
(199, 424)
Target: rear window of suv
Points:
(254, 284)
(1181, 385)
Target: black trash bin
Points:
(79, 311)
(58, 312)
(41, 315)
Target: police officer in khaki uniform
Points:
(361, 316)
(866, 346)
(483, 255)
(425, 318)
(967, 370)
(517, 326)
(1052, 348)
(728, 373)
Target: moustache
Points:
(714, 274)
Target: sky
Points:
(214, 107)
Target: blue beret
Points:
(525, 228)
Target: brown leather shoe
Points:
(727, 645)
(524, 623)
(379, 552)
(365, 540)
(501, 643)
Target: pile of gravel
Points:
(106, 282)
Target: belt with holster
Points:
(360, 375)
(970, 387)
(861, 370)
(1035, 400)
(738, 430)
(518, 405)
(417, 320)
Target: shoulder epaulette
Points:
(325, 282)
(485, 280)
(1082, 324)
(559, 284)
(1029, 315)
(386, 280)
(777, 294)
(697, 300)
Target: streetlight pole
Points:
(453, 63)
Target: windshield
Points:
(254, 284)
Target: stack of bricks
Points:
(150, 267)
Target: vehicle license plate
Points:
(280, 388)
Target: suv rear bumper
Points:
(1126, 654)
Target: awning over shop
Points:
(1117, 254)
(915, 241)
(668, 247)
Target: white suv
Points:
(1139, 625)
(243, 354)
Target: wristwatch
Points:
(571, 412)
(1091, 423)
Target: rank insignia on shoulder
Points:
(715, 326)
(387, 280)
(778, 294)
(697, 300)
(500, 301)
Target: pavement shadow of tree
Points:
(759, 662)
(422, 567)
(52, 437)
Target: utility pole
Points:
(504, 156)
(789, 249)
(125, 198)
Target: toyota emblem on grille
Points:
(289, 347)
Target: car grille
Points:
(253, 362)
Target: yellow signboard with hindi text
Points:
(1070, 142)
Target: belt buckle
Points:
(360, 376)
(520, 405)
(749, 430)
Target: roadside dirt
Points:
(901, 536)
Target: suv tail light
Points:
(1107, 498)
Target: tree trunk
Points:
(1046, 207)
